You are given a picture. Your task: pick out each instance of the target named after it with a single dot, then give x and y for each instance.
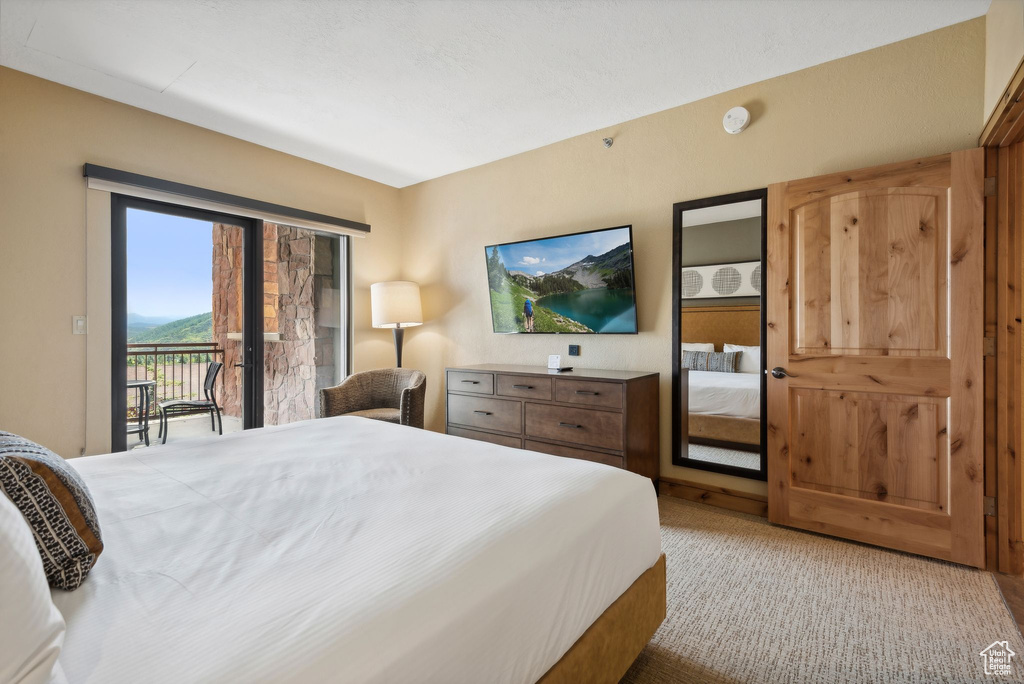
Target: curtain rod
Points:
(103, 173)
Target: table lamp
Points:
(396, 305)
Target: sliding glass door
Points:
(187, 331)
(304, 320)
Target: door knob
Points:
(779, 372)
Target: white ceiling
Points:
(402, 91)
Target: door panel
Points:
(878, 447)
(869, 269)
(875, 285)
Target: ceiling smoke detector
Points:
(735, 120)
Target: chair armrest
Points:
(335, 401)
(412, 404)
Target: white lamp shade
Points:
(395, 304)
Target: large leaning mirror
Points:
(718, 371)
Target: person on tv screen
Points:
(528, 315)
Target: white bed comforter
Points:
(737, 395)
(349, 550)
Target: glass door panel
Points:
(180, 330)
(303, 320)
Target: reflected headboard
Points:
(721, 325)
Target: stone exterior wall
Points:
(299, 303)
(227, 313)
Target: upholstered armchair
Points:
(396, 395)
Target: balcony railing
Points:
(178, 369)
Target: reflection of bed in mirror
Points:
(724, 409)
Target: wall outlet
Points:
(79, 325)
(574, 350)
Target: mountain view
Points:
(591, 294)
(148, 329)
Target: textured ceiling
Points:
(404, 91)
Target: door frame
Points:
(252, 300)
(677, 244)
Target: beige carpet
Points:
(732, 457)
(750, 602)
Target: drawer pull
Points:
(471, 382)
(522, 386)
(586, 393)
(570, 425)
(482, 413)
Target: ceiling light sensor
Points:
(736, 120)
(608, 142)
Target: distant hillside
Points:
(138, 323)
(611, 270)
(198, 328)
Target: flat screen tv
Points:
(578, 283)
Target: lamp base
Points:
(399, 339)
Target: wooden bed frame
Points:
(720, 325)
(612, 643)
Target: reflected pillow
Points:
(57, 505)
(718, 362)
(750, 358)
(698, 346)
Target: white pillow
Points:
(698, 346)
(32, 629)
(750, 359)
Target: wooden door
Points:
(875, 334)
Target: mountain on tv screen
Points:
(579, 283)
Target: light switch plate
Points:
(79, 325)
(574, 350)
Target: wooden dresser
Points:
(599, 415)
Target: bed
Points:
(723, 408)
(345, 549)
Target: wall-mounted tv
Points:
(578, 283)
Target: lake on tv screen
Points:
(574, 283)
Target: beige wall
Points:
(1004, 48)
(919, 97)
(54, 262)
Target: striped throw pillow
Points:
(720, 362)
(55, 502)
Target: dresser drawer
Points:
(523, 386)
(589, 393)
(487, 414)
(477, 383)
(581, 426)
(570, 452)
(503, 440)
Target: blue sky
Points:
(169, 265)
(553, 254)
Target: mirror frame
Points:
(677, 243)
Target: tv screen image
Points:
(578, 283)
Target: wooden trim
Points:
(991, 243)
(609, 646)
(744, 502)
(1008, 485)
(1005, 125)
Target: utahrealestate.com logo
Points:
(997, 658)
